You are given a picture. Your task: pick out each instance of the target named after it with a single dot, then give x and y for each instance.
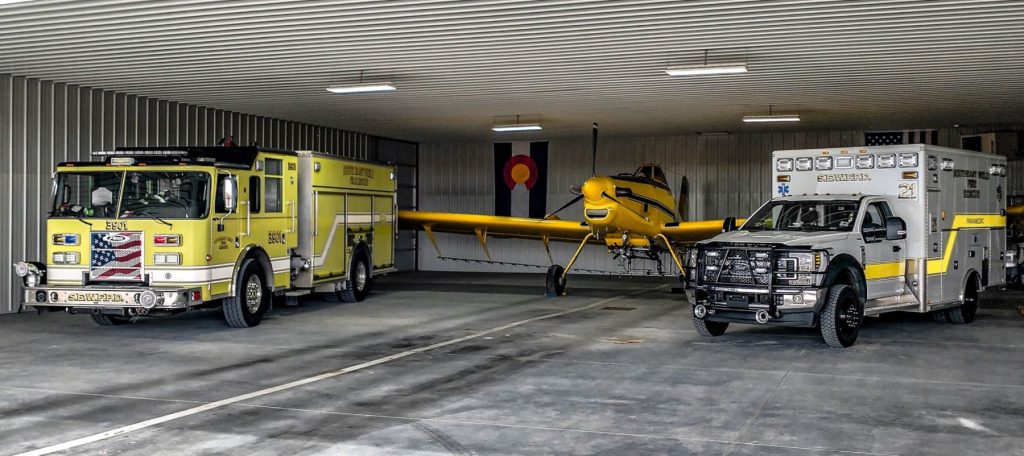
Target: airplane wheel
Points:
(555, 280)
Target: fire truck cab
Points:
(159, 231)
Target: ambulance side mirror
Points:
(895, 229)
(229, 193)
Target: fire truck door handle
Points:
(291, 205)
(896, 248)
(248, 212)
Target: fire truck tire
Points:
(968, 308)
(109, 320)
(710, 328)
(842, 317)
(555, 280)
(252, 297)
(360, 281)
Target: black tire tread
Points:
(554, 285)
(232, 305)
(348, 293)
(710, 328)
(828, 317)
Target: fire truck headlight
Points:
(166, 258)
(65, 257)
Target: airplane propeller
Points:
(570, 203)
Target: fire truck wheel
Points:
(555, 280)
(965, 312)
(710, 328)
(251, 300)
(359, 280)
(110, 320)
(842, 316)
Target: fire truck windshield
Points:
(135, 194)
(87, 195)
(165, 195)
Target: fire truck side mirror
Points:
(229, 193)
(895, 229)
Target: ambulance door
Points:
(884, 260)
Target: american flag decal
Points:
(116, 255)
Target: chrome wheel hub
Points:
(253, 293)
(360, 279)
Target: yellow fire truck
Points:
(159, 231)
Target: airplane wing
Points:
(690, 232)
(494, 225)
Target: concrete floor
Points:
(625, 376)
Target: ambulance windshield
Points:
(829, 215)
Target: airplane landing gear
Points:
(555, 281)
(557, 275)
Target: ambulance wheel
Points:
(359, 282)
(941, 316)
(109, 320)
(710, 328)
(965, 312)
(842, 316)
(555, 280)
(252, 297)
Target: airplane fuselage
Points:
(627, 210)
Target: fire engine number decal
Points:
(275, 237)
(908, 190)
(117, 226)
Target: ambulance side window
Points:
(873, 226)
(272, 185)
(254, 194)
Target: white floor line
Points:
(263, 392)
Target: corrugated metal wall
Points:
(44, 123)
(728, 176)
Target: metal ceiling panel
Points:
(460, 64)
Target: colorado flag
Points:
(521, 179)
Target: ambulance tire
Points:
(842, 317)
(710, 328)
(968, 308)
(941, 316)
(252, 297)
(109, 320)
(555, 280)
(360, 280)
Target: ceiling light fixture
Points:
(517, 126)
(772, 117)
(706, 69)
(360, 88)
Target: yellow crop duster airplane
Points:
(633, 215)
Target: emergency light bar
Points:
(135, 153)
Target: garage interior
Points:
(460, 351)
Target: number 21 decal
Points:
(908, 190)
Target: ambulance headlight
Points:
(784, 165)
(908, 160)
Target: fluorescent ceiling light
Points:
(360, 88)
(517, 127)
(773, 118)
(702, 70)
(8, 2)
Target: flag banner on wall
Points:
(521, 179)
(885, 138)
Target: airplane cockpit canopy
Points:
(652, 172)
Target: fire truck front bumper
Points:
(139, 299)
